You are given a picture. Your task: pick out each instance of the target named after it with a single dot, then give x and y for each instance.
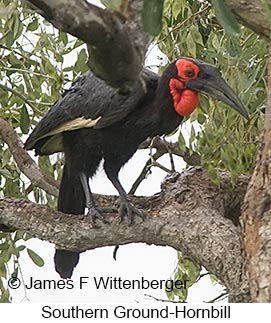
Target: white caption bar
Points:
(158, 311)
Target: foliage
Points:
(152, 16)
(226, 18)
(11, 246)
(222, 138)
(34, 70)
(186, 271)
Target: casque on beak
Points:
(211, 83)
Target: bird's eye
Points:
(189, 72)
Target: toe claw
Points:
(94, 214)
(128, 210)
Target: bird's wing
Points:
(90, 102)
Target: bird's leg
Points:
(126, 208)
(93, 212)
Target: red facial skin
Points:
(185, 100)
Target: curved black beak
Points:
(211, 83)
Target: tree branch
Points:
(252, 14)
(256, 217)
(190, 215)
(163, 146)
(25, 163)
(116, 43)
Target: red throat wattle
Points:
(185, 100)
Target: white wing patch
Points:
(74, 124)
(55, 144)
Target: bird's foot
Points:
(127, 209)
(95, 213)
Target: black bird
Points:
(93, 121)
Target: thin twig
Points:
(28, 72)
(164, 168)
(14, 51)
(144, 172)
(172, 164)
(201, 276)
(182, 23)
(219, 297)
(163, 300)
(191, 158)
(21, 96)
(163, 147)
(23, 281)
(4, 35)
(25, 163)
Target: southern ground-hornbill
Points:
(93, 121)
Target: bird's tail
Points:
(71, 200)
(65, 262)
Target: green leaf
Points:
(26, 236)
(267, 8)
(63, 37)
(5, 297)
(181, 142)
(9, 39)
(21, 248)
(68, 69)
(6, 173)
(191, 45)
(177, 7)
(78, 43)
(49, 68)
(201, 118)
(192, 270)
(81, 63)
(5, 255)
(3, 270)
(226, 18)
(4, 246)
(18, 235)
(24, 120)
(213, 174)
(35, 258)
(152, 16)
(181, 293)
(33, 25)
(14, 61)
(112, 4)
(196, 35)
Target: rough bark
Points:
(256, 217)
(252, 14)
(190, 214)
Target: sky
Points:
(133, 261)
